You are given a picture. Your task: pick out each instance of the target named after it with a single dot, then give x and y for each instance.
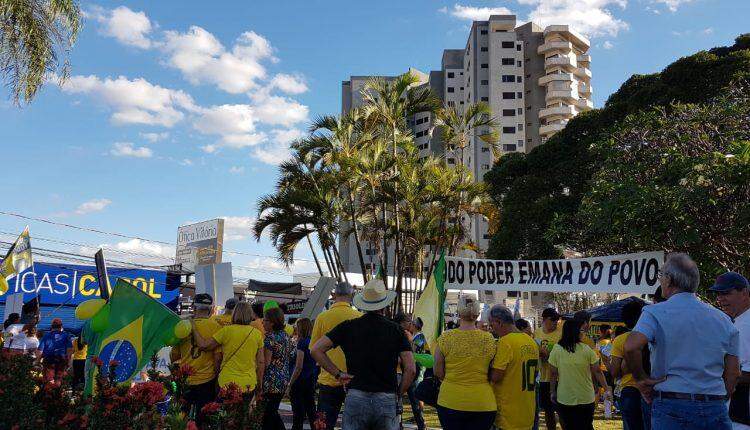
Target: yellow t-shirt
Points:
(202, 363)
(223, 319)
(588, 341)
(238, 362)
(518, 355)
(618, 350)
(574, 384)
(546, 341)
(289, 330)
(468, 354)
(79, 353)
(324, 323)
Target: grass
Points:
(600, 423)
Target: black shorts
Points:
(545, 401)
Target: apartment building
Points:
(534, 79)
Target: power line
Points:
(126, 236)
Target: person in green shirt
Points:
(572, 364)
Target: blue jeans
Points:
(329, 403)
(370, 411)
(678, 414)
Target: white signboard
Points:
(199, 243)
(630, 273)
(215, 280)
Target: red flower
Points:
(187, 370)
(211, 408)
(97, 361)
(191, 426)
(149, 392)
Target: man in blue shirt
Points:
(694, 350)
(56, 349)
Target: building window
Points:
(520, 127)
(462, 102)
(528, 76)
(518, 47)
(520, 111)
(512, 293)
(519, 78)
(509, 96)
(509, 112)
(485, 82)
(486, 166)
(483, 49)
(485, 99)
(509, 78)
(525, 294)
(485, 149)
(486, 235)
(482, 31)
(484, 65)
(509, 130)
(451, 90)
(528, 140)
(500, 31)
(462, 88)
(509, 147)
(520, 143)
(452, 103)
(451, 75)
(519, 95)
(520, 64)
(528, 124)
(508, 61)
(508, 44)
(451, 161)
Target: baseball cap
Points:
(550, 313)
(203, 300)
(728, 281)
(270, 305)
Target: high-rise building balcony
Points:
(565, 111)
(584, 104)
(582, 73)
(567, 95)
(550, 129)
(561, 77)
(567, 33)
(584, 89)
(584, 59)
(562, 61)
(555, 45)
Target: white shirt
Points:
(742, 323)
(9, 332)
(24, 343)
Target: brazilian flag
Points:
(128, 328)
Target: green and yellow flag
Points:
(431, 303)
(128, 329)
(17, 260)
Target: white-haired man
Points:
(694, 349)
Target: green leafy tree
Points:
(35, 38)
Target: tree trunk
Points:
(315, 256)
(384, 267)
(357, 242)
(397, 271)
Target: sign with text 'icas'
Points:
(72, 283)
(629, 273)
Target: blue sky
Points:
(178, 111)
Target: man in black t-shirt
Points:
(372, 345)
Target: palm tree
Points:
(458, 127)
(35, 35)
(388, 105)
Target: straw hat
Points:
(374, 296)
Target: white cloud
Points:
(126, 149)
(290, 84)
(94, 205)
(607, 45)
(155, 137)
(277, 110)
(277, 150)
(186, 162)
(272, 264)
(708, 30)
(128, 27)
(238, 227)
(202, 58)
(236, 170)
(235, 124)
(472, 13)
(135, 251)
(134, 101)
(590, 17)
(672, 5)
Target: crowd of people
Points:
(674, 364)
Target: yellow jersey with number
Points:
(546, 341)
(518, 356)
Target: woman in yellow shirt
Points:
(462, 361)
(242, 361)
(572, 364)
